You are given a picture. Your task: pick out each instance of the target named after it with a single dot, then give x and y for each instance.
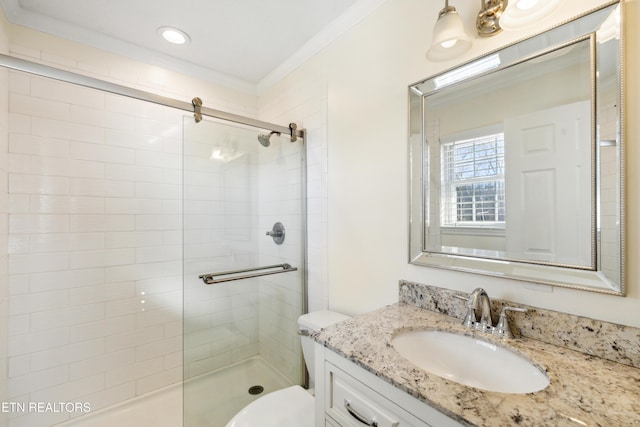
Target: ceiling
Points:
(245, 44)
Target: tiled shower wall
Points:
(94, 248)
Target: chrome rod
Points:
(210, 279)
(93, 83)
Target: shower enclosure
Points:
(118, 201)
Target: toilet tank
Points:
(312, 322)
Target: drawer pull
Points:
(357, 416)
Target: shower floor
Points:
(210, 400)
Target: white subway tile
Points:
(28, 105)
(70, 391)
(67, 204)
(37, 341)
(158, 222)
(60, 91)
(38, 380)
(132, 206)
(18, 244)
(158, 348)
(126, 373)
(37, 184)
(66, 242)
(132, 239)
(135, 337)
(156, 381)
(19, 203)
(133, 173)
(100, 187)
(101, 328)
(19, 365)
(104, 293)
(37, 263)
(19, 83)
(134, 272)
(159, 191)
(46, 320)
(89, 223)
(67, 167)
(19, 284)
(19, 123)
(19, 324)
(124, 307)
(66, 354)
(36, 302)
(101, 153)
(66, 279)
(100, 364)
(49, 128)
(159, 253)
(19, 163)
(101, 258)
(24, 143)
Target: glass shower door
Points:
(240, 329)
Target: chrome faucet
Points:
(478, 299)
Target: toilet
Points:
(292, 406)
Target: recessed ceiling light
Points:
(174, 35)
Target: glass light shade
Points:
(449, 38)
(524, 13)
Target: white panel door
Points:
(549, 191)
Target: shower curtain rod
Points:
(93, 83)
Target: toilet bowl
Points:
(292, 406)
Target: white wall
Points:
(367, 72)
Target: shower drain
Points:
(256, 389)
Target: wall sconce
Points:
(450, 39)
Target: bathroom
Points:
(350, 96)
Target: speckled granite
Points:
(602, 339)
(584, 390)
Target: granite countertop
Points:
(584, 390)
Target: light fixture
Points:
(488, 20)
(524, 13)
(449, 38)
(174, 35)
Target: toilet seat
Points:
(289, 407)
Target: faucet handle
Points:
(470, 316)
(503, 329)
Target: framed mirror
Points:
(517, 160)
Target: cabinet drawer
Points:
(351, 403)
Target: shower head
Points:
(265, 139)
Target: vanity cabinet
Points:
(349, 396)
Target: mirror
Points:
(517, 160)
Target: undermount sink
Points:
(470, 361)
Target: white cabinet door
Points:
(370, 399)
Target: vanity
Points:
(592, 367)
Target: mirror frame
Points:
(543, 42)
